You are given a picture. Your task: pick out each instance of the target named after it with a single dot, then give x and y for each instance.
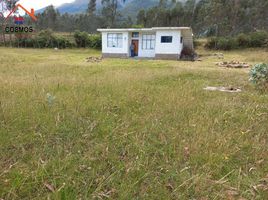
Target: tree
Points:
(110, 11)
(163, 3)
(49, 18)
(141, 18)
(92, 7)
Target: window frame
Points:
(148, 41)
(114, 40)
(168, 39)
(135, 34)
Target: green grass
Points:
(129, 129)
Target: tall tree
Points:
(92, 7)
(141, 18)
(49, 18)
(163, 3)
(109, 11)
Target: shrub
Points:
(95, 41)
(222, 43)
(257, 39)
(44, 39)
(227, 43)
(61, 42)
(211, 43)
(81, 39)
(25, 42)
(259, 75)
(243, 40)
(187, 54)
(197, 43)
(266, 43)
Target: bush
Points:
(47, 39)
(259, 75)
(187, 54)
(257, 39)
(95, 41)
(211, 43)
(83, 39)
(227, 43)
(222, 43)
(25, 42)
(44, 39)
(243, 40)
(197, 43)
(61, 42)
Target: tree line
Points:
(206, 17)
(209, 17)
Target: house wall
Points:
(168, 50)
(162, 50)
(115, 51)
(188, 39)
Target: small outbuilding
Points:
(156, 42)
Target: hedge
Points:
(83, 39)
(254, 39)
(47, 39)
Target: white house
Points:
(156, 42)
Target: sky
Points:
(37, 4)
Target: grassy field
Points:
(130, 129)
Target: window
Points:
(135, 34)
(115, 40)
(166, 39)
(148, 41)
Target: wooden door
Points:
(136, 47)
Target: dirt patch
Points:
(224, 89)
(94, 59)
(233, 64)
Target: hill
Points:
(128, 7)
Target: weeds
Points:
(127, 129)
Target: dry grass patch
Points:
(129, 129)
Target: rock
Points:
(224, 89)
(218, 55)
(233, 64)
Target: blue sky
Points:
(37, 4)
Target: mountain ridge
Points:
(128, 7)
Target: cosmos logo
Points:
(19, 20)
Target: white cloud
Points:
(38, 4)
